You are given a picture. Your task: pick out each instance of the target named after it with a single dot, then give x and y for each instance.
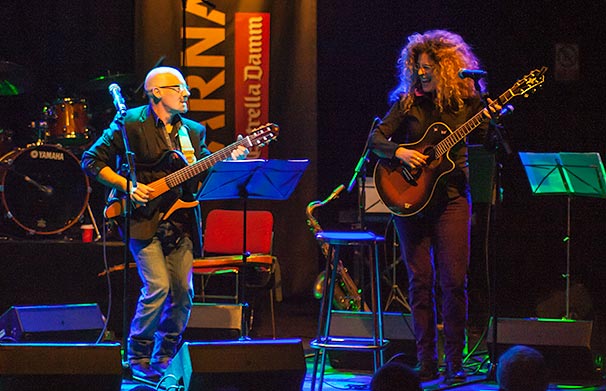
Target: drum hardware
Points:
(93, 222)
(66, 121)
(101, 83)
(39, 128)
(14, 79)
(44, 189)
(6, 140)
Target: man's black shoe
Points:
(454, 374)
(144, 371)
(427, 370)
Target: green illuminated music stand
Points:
(565, 173)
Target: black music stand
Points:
(251, 179)
(565, 173)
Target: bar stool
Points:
(324, 341)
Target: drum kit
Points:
(44, 190)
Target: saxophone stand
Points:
(250, 179)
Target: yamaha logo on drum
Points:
(48, 155)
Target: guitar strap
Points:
(186, 148)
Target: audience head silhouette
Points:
(395, 376)
(522, 368)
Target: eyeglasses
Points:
(426, 68)
(177, 88)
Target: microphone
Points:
(114, 91)
(474, 74)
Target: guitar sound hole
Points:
(431, 152)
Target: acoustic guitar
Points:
(407, 191)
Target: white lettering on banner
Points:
(196, 56)
(253, 72)
(253, 106)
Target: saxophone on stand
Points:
(347, 295)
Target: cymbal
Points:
(103, 82)
(14, 79)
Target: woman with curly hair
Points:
(438, 237)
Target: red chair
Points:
(223, 246)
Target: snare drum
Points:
(67, 121)
(44, 190)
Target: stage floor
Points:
(339, 379)
(298, 319)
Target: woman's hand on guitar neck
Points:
(495, 110)
(411, 157)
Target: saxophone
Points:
(346, 295)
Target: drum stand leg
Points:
(92, 219)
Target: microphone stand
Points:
(495, 204)
(127, 167)
(359, 176)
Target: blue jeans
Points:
(439, 239)
(165, 301)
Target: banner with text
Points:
(226, 62)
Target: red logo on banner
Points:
(251, 82)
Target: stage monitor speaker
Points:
(60, 367)
(397, 328)
(245, 365)
(214, 322)
(565, 344)
(56, 323)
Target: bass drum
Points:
(44, 189)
